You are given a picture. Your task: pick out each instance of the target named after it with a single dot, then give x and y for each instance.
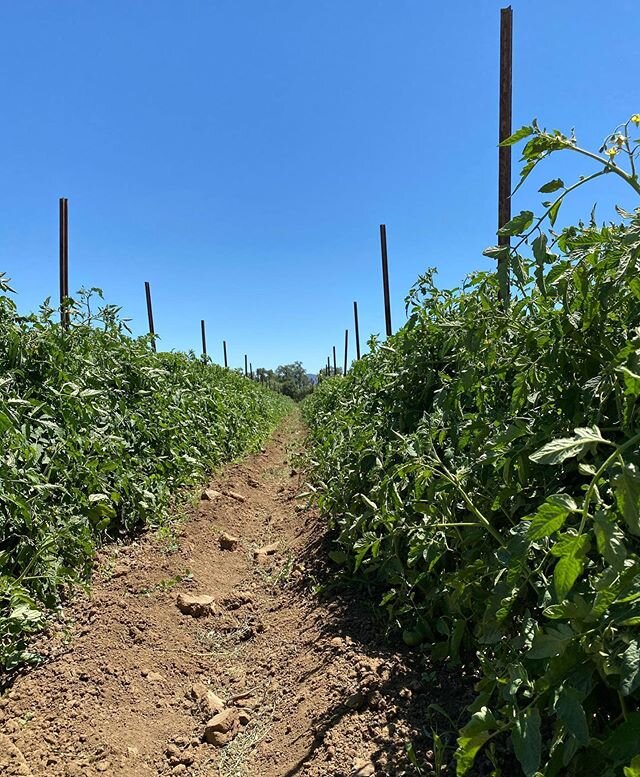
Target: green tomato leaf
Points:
(518, 224)
(563, 448)
(472, 737)
(553, 212)
(627, 490)
(519, 134)
(552, 186)
(622, 744)
(630, 668)
(551, 642)
(527, 742)
(610, 540)
(565, 574)
(551, 516)
(633, 770)
(571, 713)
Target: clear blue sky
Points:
(240, 154)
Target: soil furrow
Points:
(132, 681)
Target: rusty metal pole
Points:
(204, 337)
(152, 331)
(385, 278)
(64, 259)
(504, 152)
(346, 349)
(357, 328)
(224, 349)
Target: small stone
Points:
(224, 722)
(362, 768)
(210, 495)
(266, 550)
(235, 495)
(217, 738)
(206, 699)
(179, 769)
(222, 727)
(155, 677)
(228, 541)
(253, 482)
(196, 606)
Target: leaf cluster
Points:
(97, 432)
(482, 471)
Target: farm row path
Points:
(131, 681)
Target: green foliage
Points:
(96, 433)
(482, 471)
(289, 379)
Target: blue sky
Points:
(240, 154)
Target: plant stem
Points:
(594, 480)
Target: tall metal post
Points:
(335, 363)
(246, 365)
(204, 338)
(504, 152)
(64, 259)
(385, 278)
(346, 349)
(357, 328)
(152, 331)
(224, 349)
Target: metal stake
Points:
(355, 319)
(204, 338)
(504, 152)
(346, 349)
(152, 331)
(64, 260)
(385, 278)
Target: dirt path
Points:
(307, 688)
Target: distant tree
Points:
(289, 379)
(293, 380)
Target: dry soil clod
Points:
(228, 541)
(196, 606)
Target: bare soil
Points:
(311, 683)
